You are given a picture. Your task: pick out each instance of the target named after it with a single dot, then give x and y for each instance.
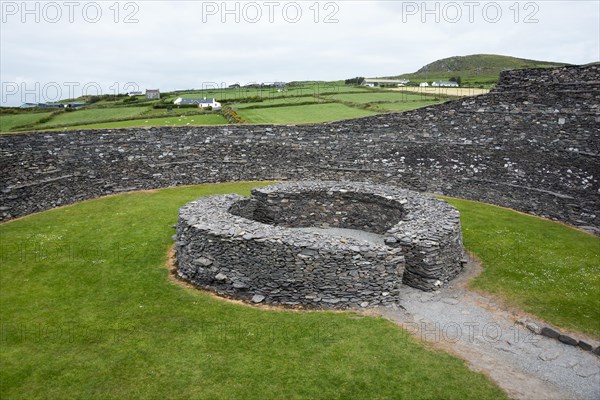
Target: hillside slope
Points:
(475, 69)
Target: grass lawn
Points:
(276, 102)
(93, 115)
(176, 120)
(543, 267)
(405, 106)
(388, 96)
(87, 312)
(9, 121)
(302, 114)
(308, 89)
(163, 112)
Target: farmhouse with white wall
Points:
(201, 102)
(445, 84)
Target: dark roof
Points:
(43, 105)
(197, 101)
(452, 83)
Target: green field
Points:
(308, 102)
(207, 119)
(309, 89)
(163, 112)
(93, 115)
(10, 121)
(88, 312)
(277, 102)
(387, 96)
(302, 114)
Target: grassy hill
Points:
(477, 69)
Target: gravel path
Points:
(485, 334)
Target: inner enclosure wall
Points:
(323, 210)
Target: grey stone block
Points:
(549, 332)
(566, 339)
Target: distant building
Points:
(201, 102)
(445, 84)
(135, 94)
(423, 84)
(75, 104)
(152, 94)
(373, 82)
(42, 105)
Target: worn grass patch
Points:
(543, 267)
(87, 312)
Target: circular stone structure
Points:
(319, 244)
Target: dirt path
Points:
(484, 333)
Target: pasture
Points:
(11, 121)
(302, 114)
(305, 102)
(175, 120)
(92, 115)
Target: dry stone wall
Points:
(533, 144)
(226, 244)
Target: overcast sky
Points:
(47, 47)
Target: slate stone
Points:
(584, 345)
(240, 285)
(257, 298)
(203, 262)
(533, 327)
(549, 332)
(566, 339)
(220, 277)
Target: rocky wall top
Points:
(575, 76)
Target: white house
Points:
(445, 84)
(423, 84)
(373, 82)
(209, 102)
(202, 103)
